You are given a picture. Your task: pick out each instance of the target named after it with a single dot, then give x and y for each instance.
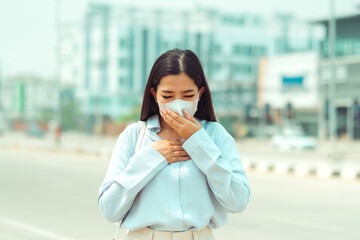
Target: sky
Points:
(27, 28)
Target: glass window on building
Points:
(249, 69)
(123, 62)
(236, 68)
(237, 50)
(243, 69)
(257, 51)
(252, 51)
(247, 51)
(122, 43)
(122, 81)
(262, 51)
(215, 67)
(216, 48)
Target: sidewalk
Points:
(328, 161)
(70, 142)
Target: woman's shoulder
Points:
(132, 129)
(214, 128)
(217, 132)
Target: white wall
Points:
(274, 90)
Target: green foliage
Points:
(69, 114)
(133, 116)
(46, 115)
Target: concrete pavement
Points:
(341, 160)
(53, 196)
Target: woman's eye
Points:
(166, 97)
(189, 96)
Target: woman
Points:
(187, 174)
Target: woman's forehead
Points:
(177, 81)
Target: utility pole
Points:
(1, 97)
(1, 86)
(57, 24)
(332, 81)
(4, 121)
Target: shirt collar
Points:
(153, 123)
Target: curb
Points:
(319, 170)
(323, 171)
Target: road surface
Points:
(53, 196)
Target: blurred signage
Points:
(292, 82)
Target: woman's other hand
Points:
(173, 152)
(185, 127)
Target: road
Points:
(53, 196)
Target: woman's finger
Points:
(180, 153)
(168, 117)
(175, 116)
(191, 118)
(183, 158)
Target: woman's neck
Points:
(167, 132)
(164, 125)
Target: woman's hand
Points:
(173, 152)
(184, 127)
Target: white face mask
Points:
(179, 106)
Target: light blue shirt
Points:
(180, 196)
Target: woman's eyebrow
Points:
(166, 91)
(189, 91)
(186, 91)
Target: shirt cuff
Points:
(194, 141)
(202, 150)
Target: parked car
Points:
(34, 130)
(293, 139)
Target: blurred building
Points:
(346, 75)
(347, 84)
(347, 36)
(108, 57)
(27, 99)
(293, 88)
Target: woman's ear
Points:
(152, 91)
(202, 90)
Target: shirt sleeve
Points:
(221, 164)
(127, 174)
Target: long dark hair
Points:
(174, 62)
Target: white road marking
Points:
(32, 229)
